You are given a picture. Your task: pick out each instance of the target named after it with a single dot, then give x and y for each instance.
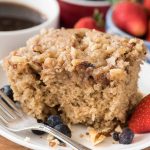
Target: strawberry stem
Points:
(98, 17)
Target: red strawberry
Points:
(140, 119)
(86, 22)
(131, 17)
(147, 4)
(95, 22)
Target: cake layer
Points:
(86, 76)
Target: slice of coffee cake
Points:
(87, 76)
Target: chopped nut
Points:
(18, 59)
(35, 65)
(54, 143)
(37, 48)
(118, 129)
(73, 52)
(133, 40)
(117, 74)
(76, 62)
(95, 136)
(111, 61)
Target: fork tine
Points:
(11, 103)
(7, 109)
(5, 116)
(3, 121)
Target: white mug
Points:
(11, 40)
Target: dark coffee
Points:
(16, 17)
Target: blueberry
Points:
(8, 91)
(63, 129)
(54, 120)
(115, 136)
(126, 137)
(38, 132)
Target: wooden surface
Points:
(8, 145)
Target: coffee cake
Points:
(86, 76)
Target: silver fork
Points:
(12, 118)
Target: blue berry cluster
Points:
(126, 137)
(55, 122)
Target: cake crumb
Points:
(114, 142)
(54, 143)
(81, 135)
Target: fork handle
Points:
(73, 144)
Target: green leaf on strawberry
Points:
(98, 17)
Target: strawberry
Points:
(86, 22)
(131, 17)
(146, 4)
(95, 22)
(140, 119)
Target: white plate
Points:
(40, 143)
